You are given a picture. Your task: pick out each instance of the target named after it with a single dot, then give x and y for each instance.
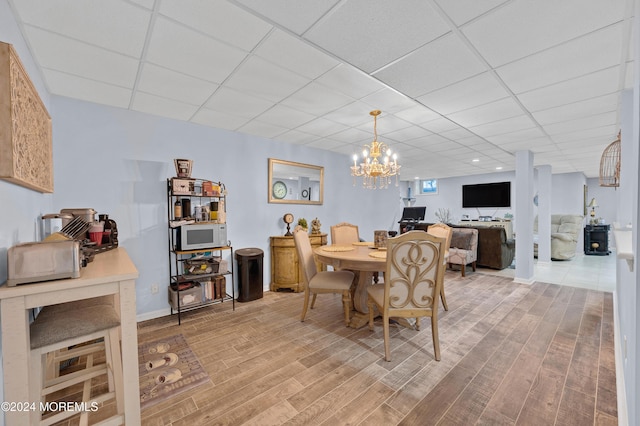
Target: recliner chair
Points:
(565, 231)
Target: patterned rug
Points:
(167, 367)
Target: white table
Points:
(110, 274)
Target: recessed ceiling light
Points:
(475, 160)
(417, 177)
(499, 168)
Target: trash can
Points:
(249, 274)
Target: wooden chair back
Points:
(344, 234)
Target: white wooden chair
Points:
(443, 231)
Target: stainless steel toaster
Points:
(43, 261)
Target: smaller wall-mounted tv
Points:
(497, 194)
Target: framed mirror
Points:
(295, 183)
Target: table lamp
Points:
(593, 204)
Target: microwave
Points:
(201, 236)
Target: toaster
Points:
(43, 261)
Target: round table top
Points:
(357, 259)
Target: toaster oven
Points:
(43, 261)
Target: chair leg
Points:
(346, 303)
(370, 306)
(462, 269)
(385, 328)
(305, 305)
(436, 340)
(417, 323)
(313, 301)
(444, 299)
(473, 266)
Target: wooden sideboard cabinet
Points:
(285, 268)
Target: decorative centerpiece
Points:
(315, 226)
(444, 215)
(302, 222)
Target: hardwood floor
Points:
(511, 354)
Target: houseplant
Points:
(302, 222)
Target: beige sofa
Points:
(565, 231)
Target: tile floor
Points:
(588, 272)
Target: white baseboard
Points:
(153, 315)
(623, 419)
(524, 281)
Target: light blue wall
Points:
(117, 162)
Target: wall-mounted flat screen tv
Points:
(497, 194)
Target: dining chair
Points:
(443, 231)
(344, 234)
(318, 282)
(414, 269)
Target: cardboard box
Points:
(182, 186)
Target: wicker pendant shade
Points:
(610, 164)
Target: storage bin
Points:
(195, 266)
(188, 297)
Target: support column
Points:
(544, 214)
(524, 217)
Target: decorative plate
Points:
(337, 248)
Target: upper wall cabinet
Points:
(295, 183)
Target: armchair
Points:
(464, 248)
(565, 230)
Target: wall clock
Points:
(279, 190)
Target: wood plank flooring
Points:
(511, 354)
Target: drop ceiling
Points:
(456, 81)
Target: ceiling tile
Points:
(163, 107)
(291, 14)
(284, 116)
(504, 126)
(588, 86)
(257, 77)
(219, 19)
(173, 85)
(316, 99)
(87, 90)
(587, 54)
(265, 130)
(438, 64)
(83, 60)
(322, 127)
(494, 111)
(418, 114)
(85, 21)
(462, 11)
(440, 125)
(297, 137)
(598, 120)
(176, 47)
(350, 81)
(523, 28)
(233, 102)
(372, 33)
(577, 109)
(354, 114)
(388, 101)
(474, 91)
(217, 119)
(289, 52)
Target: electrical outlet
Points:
(154, 289)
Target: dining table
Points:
(360, 257)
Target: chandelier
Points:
(376, 172)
